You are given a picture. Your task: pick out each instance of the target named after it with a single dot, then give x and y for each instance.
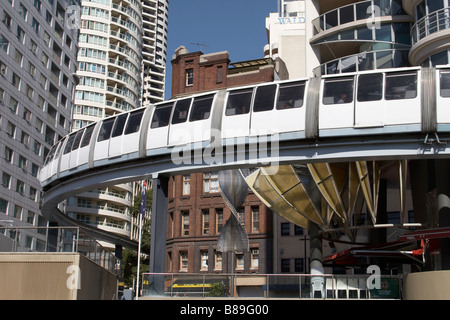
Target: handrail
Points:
(65, 239)
(429, 24)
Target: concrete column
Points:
(158, 235)
(316, 262)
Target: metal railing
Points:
(56, 239)
(269, 286)
(432, 23)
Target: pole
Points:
(139, 256)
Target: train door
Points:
(116, 140)
(178, 133)
(369, 112)
(130, 142)
(236, 118)
(158, 134)
(101, 150)
(443, 99)
(336, 107)
(75, 153)
(262, 121)
(65, 157)
(83, 151)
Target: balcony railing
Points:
(430, 24)
(56, 239)
(285, 286)
(357, 11)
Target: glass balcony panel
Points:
(363, 10)
(331, 20)
(346, 14)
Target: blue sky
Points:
(236, 26)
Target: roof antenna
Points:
(202, 46)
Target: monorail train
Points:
(377, 102)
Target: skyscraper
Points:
(38, 49)
(155, 18)
(121, 43)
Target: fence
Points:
(270, 286)
(56, 239)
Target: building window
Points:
(285, 228)
(17, 211)
(183, 261)
(219, 220)
(299, 265)
(189, 77)
(218, 260)
(255, 219)
(186, 184)
(239, 261)
(298, 231)
(33, 193)
(219, 74)
(3, 205)
(204, 260)
(241, 215)
(8, 154)
(6, 179)
(185, 223)
(254, 258)
(285, 265)
(10, 129)
(211, 182)
(205, 222)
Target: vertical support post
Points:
(158, 235)
(316, 266)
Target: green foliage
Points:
(217, 290)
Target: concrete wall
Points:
(431, 285)
(51, 276)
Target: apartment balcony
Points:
(430, 35)
(352, 29)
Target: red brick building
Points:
(196, 209)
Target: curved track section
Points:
(374, 115)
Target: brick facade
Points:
(191, 242)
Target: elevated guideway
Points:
(388, 115)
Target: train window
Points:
(239, 102)
(370, 87)
(119, 125)
(291, 95)
(201, 108)
(105, 130)
(50, 154)
(77, 140)
(181, 111)
(161, 116)
(87, 136)
(58, 150)
(401, 86)
(264, 98)
(68, 146)
(445, 84)
(339, 90)
(134, 123)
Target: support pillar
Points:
(158, 235)
(316, 264)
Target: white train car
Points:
(384, 101)
(375, 102)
